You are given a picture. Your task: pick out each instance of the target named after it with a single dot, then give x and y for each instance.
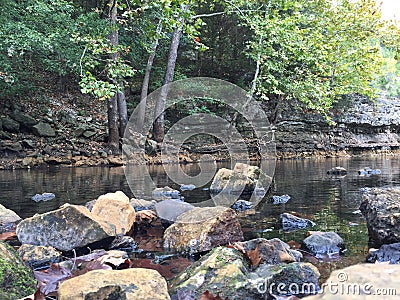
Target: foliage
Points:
(34, 38)
(389, 79)
(316, 51)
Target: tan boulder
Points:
(128, 284)
(115, 209)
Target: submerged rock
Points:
(272, 251)
(362, 281)
(66, 228)
(280, 199)
(368, 171)
(324, 243)
(187, 187)
(8, 216)
(381, 209)
(385, 254)
(201, 229)
(242, 205)
(43, 197)
(291, 222)
(39, 256)
(129, 284)
(16, 280)
(339, 171)
(115, 209)
(165, 193)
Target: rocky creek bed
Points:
(115, 247)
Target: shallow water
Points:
(327, 200)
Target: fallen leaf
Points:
(50, 279)
(254, 256)
(208, 296)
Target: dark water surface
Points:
(329, 201)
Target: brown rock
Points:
(7, 215)
(202, 229)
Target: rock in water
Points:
(324, 243)
(165, 193)
(43, 197)
(129, 284)
(7, 215)
(381, 209)
(242, 205)
(201, 229)
(170, 209)
(243, 179)
(66, 228)
(280, 199)
(386, 253)
(16, 280)
(338, 171)
(187, 187)
(291, 222)
(115, 209)
(368, 172)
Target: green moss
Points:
(16, 280)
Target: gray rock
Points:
(171, 209)
(187, 187)
(7, 215)
(140, 204)
(43, 197)
(291, 222)
(242, 205)
(324, 243)
(165, 193)
(23, 119)
(280, 199)
(381, 209)
(66, 228)
(39, 256)
(368, 171)
(340, 171)
(386, 253)
(43, 129)
(27, 143)
(10, 125)
(16, 280)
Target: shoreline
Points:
(29, 162)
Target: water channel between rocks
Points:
(327, 200)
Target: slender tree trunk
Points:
(146, 80)
(158, 127)
(116, 108)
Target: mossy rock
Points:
(16, 280)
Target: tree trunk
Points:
(158, 127)
(122, 111)
(146, 80)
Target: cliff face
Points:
(363, 126)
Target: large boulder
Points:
(128, 284)
(296, 279)
(69, 227)
(115, 209)
(381, 209)
(324, 243)
(201, 229)
(223, 271)
(43, 129)
(243, 179)
(272, 251)
(171, 209)
(7, 215)
(39, 256)
(16, 280)
(362, 281)
(227, 273)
